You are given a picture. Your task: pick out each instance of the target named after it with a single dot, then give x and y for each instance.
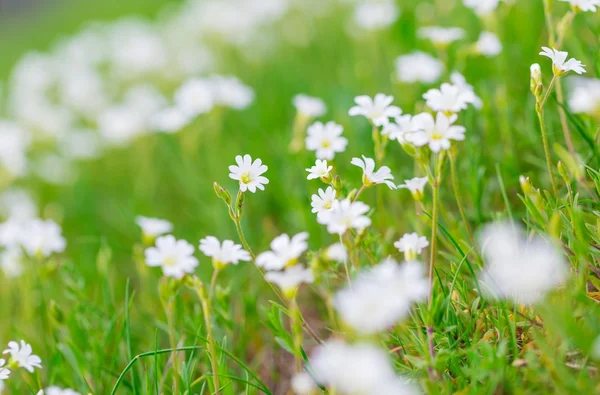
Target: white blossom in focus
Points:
(378, 109)
(284, 252)
(344, 215)
(370, 176)
(22, 354)
(436, 133)
(175, 257)
(325, 139)
(560, 64)
(249, 173)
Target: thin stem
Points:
(296, 326)
(346, 260)
(459, 202)
(206, 309)
(540, 113)
(543, 102)
(362, 188)
(172, 339)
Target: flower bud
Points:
(222, 193)
(536, 85)
(239, 204)
(526, 185)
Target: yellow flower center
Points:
(436, 136)
(325, 143)
(246, 178)
(170, 261)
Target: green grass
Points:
(98, 321)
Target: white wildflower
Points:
(378, 109)
(344, 215)
(436, 133)
(285, 252)
(488, 44)
(22, 354)
(418, 67)
(325, 139)
(175, 257)
(319, 170)
(249, 173)
(560, 64)
(370, 176)
(309, 107)
(223, 253)
(411, 244)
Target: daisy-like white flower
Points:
(411, 244)
(378, 110)
(560, 64)
(22, 355)
(376, 14)
(309, 107)
(325, 139)
(4, 372)
(399, 130)
(223, 253)
(441, 36)
(418, 67)
(175, 257)
(42, 238)
(290, 279)
(57, 391)
(584, 5)
(370, 176)
(416, 186)
(488, 44)
(285, 252)
(194, 97)
(436, 133)
(319, 170)
(467, 89)
(449, 98)
(482, 7)
(323, 200)
(344, 215)
(382, 296)
(336, 252)
(153, 227)
(249, 173)
(519, 267)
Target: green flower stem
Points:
(459, 202)
(296, 326)
(540, 113)
(170, 311)
(206, 310)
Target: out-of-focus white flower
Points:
(336, 252)
(153, 227)
(400, 130)
(322, 200)
(11, 262)
(381, 296)
(449, 98)
(344, 215)
(42, 238)
(285, 252)
(441, 36)
(319, 170)
(170, 120)
(4, 372)
(584, 96)
(467, 89)
(518, 267)
(436, 133)
(560, 64)
(376, 14)
(223, 253)
(354, 369)
(418, 67)
(378, 110)
(57, 391)
(325, 139)
(488, 44)
(15, 142)
(18, 204)
(370, 176)
(290, 279)
(22, 354)
(81, 144)
(416, 186)
(55, 169)
(303, 384)
(11, 232)
(584, 5)
(249, 173)
(195, 97)
(482, 7)
(119, 124)
(229, 91)
(309, 107)
(175, 257)
(411, 244)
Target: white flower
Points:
(560, 64)
(375, 14)
(584, 96)
(175, 257)
(285, 251)
(223, 253)
(467, 89)
(488, 44)
(418, 67)
(4, 372)
(249, 173)
(355, 369)
(442, 36)
(518, 267)
(11, 262)
(345, 215)
(370, 176)
(319, 170)
(23, 355)
(336, 252)
(11, 232)
(322, 200)
(411, 244)
(291, 278)
(482, 7)
(57, 391)
(170, 120)
(302, 384)
(17, 203)
(381, 296)
(449, 98)
(400, 130)
(42, 237)
(378, 110)
(153, 227)
(194, 97)
(326, 139)
(309, 107)
(436, 133)
(416, 186)
(15, 143)
(231, 92)
(584, 5)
